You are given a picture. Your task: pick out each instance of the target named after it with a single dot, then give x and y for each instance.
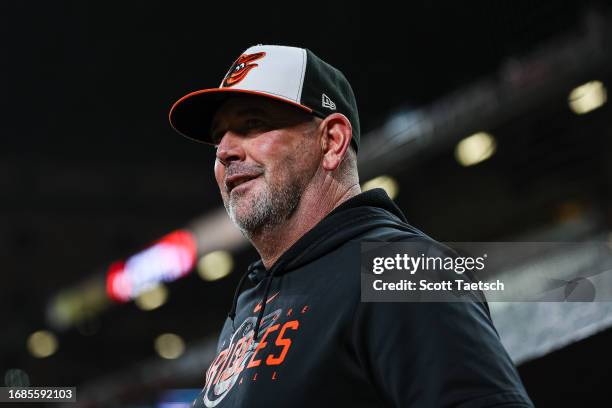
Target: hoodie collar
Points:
(361, 213)
(340, 225)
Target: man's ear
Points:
(335, 140)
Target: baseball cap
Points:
(292, 75)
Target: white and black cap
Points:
(288, 74)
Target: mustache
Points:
(243, 168)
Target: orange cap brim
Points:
(192, 115)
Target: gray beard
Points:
(266, 209)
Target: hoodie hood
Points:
(355, 216)
(319, 342)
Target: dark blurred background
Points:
(92, 173)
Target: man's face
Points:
(267, 153)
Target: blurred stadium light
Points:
(89, 297)
(42, 344)
(170, 258)
(387, 183)
(215, 265)
(75, 304)
(15, 377)
(152, 298)
(521, 86)
(587, 97)
(169, 346)
(475, 149)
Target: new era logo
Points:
(327, 103)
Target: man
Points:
(286, 130)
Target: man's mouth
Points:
(238, 179)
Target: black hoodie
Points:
(318, 345)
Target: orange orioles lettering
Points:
(233, 360)
(243, 353)
(281, 341)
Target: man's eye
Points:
(253, 123)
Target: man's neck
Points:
(272, 241)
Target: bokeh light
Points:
(387, 183)
(587, 97)
(475, 149)
(169, 346)
(215, 265)
(42, 344)
(152, 298)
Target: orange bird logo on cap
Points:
(241, 68)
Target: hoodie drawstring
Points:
(263, 303)
(232, 312)
(268, 278)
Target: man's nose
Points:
(230, 148)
